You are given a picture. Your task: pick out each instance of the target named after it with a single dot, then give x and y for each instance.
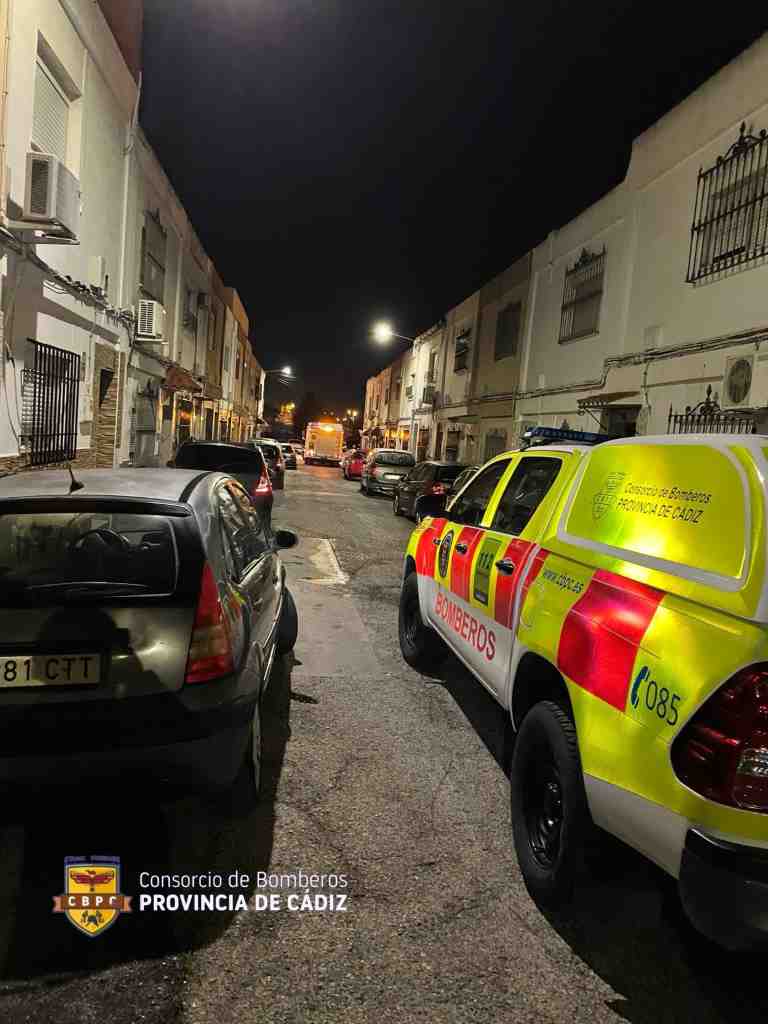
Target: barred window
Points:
(582, 296)
(461, 353)
(730, 221)
(507, 331)
(50, 404)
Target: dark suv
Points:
(432, 478)
(140, 619)
(239, 460)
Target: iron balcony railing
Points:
(730, 218)
(708, 418)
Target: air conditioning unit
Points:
(51, 194)
(150, 324)
(737, 382)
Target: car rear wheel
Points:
(551, 823)
(288, 630)
(421, 647)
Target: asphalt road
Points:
(389, 778)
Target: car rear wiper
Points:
(89, 587)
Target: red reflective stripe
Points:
(602, 632)
(426, 551)
(461, 565)
(506, 586)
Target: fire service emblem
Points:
(92, 900)
(604, 499)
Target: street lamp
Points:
(383, 332)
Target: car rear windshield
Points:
(395, 459)
(46, 556)
(271, 451)
(215, 456)
(448, 472)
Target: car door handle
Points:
(506, 565)
(462, 548)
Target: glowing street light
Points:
(383, 332)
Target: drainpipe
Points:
(5, 42)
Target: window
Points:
(495, 444)
(153, 245)
(469, 508)
(461, 353)
(243, 533)
(50, 117)
(452, 441)
(227, 357)
(507, 331)
(582, 296)
(237, 367)
(386, 396)
(50, 404)
(398, 388)
(212, 326)
(730, 223)
(524, 493)
(432, 371)
(59, 548)
(189, 312)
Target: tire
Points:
(420, 645)
(396, 506)
(288, 629)
(363, 489)
(551, 823)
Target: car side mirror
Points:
(286, 539)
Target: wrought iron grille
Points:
(51, 393)
(730, 218)
(582, 296)
(707, 418)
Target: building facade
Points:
(71, 96)
(653, 298)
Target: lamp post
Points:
(383, 332)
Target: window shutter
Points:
(51, 110)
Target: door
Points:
(451, 611)
(410, 488)
(511, 528)
(253, 568)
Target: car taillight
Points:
(210, 651)
(722, 752)
(262, 487)
(438, 489)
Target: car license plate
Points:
(391, 476)
(50, 670)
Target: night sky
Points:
(345, 160)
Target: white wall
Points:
(77, 40)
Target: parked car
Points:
(238, 460)
(384, 468)
(141, 619)
(427, 478)
(352, 464)
(289, 456)
(273, 455)
(434, 503)
(613, 597)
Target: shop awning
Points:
(606, 398)
(179, 379)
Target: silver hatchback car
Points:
(140, 618)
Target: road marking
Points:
(314, 560)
